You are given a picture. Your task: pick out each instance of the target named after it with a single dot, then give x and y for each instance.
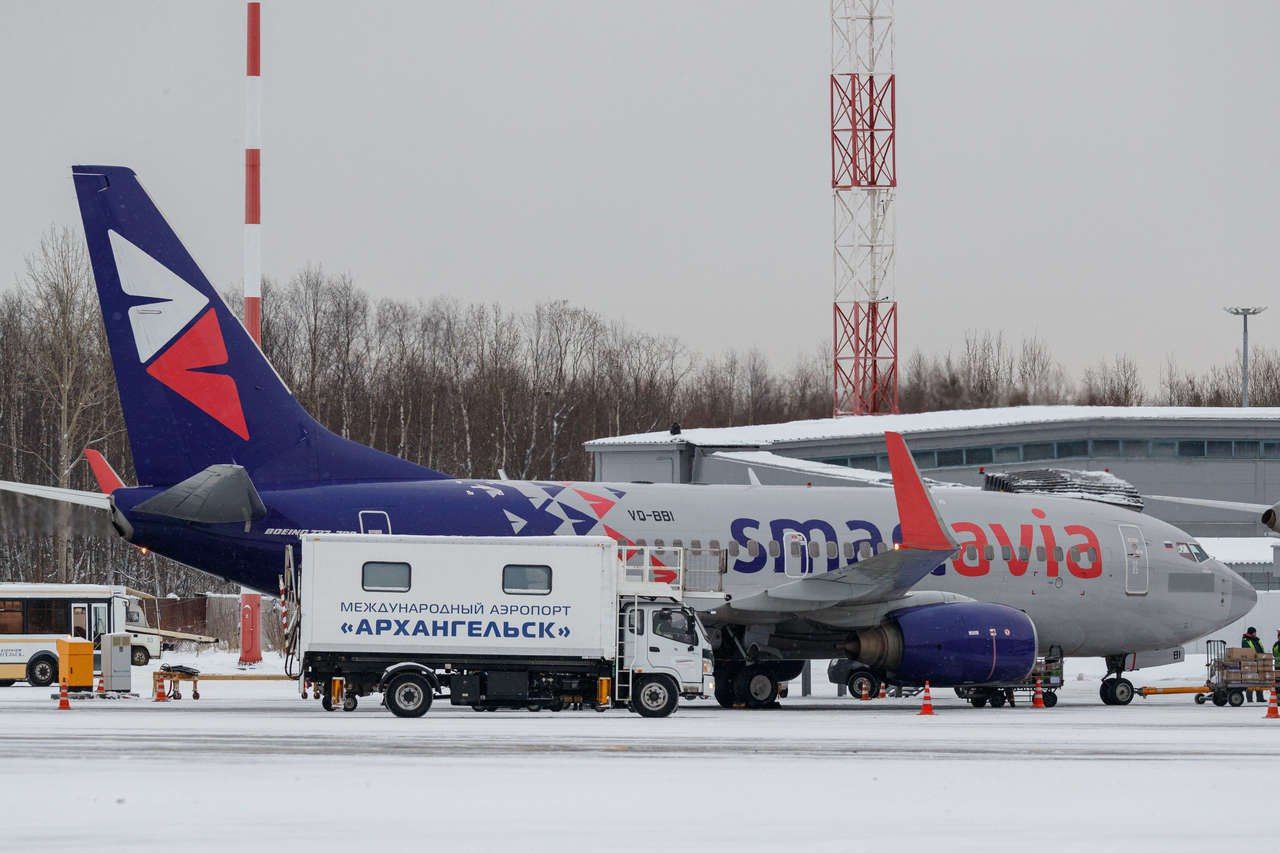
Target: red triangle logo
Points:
(599, 504)
(178, 368)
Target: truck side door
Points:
(673, 644)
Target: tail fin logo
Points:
(159, 322)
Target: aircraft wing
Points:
(1230, 506)
(97, 500)
(926, 544)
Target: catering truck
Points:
(492, 622)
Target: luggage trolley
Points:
(1231, 676)
(1048, 670)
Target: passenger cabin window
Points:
(674, 625)
(526, 580)
(734, 548)
(1006, 552)
(753, 548)
(385, 577)
(11, 617)
(48, 616)
(774, 548)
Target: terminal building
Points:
(1230, 454)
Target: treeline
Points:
(468, 389)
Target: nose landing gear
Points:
(1115, 688)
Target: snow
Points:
(252, 765)
(1241, 550)
(820, 429)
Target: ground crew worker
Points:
(1250, 641)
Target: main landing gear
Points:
(752, 685)
(1115, 688)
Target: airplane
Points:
(957, 586)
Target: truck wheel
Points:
(1050, 699)
(42, 672)
(1235, 698)
(6, 682)
(1122, 691)
(408, 695)
(997, 699)
(655, 698)
(326, 702)
(978, 701)
(755, 687)
(139, 656)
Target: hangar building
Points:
(1215, 453)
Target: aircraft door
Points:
(375, 521)
(795, 556)
(1137, 566)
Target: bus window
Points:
(80, 621)
(11, 617)
(46, 616)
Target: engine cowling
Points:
(951, 644)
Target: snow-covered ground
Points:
(251, 764)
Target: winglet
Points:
(922, 528)
(108, 479)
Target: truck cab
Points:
(665, 638)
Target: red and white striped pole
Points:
(251, 602)
(253, 174)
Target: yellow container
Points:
(75, 663)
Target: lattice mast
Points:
(864, 178)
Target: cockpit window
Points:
(1199, 552)
(1184, 550)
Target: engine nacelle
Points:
(951, 644)
(1270, 519)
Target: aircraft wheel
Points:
(1235, 698)
(978, 701)
(997, 699)
(1050, 699)
(724, 690)
(1122, 691)
(755, 686)
(864, 679)
(1104, 691)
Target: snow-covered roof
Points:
(834, 429)
(1240, 550)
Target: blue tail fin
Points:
(195, 389)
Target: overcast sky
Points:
(1101, 174)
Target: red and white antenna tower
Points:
(864, 178)
(253, 173)
(251, 602)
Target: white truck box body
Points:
(455, 603)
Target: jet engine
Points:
(1270, 519)
(950, 644)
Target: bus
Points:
(34, 615)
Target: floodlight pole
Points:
(1244, 313)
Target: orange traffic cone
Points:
(64, 703)
(865, 697)
(159, 689)
(1037, 698)
(1273, 713)
(102, 685)
(884, 694)
(926, 707)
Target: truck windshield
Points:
(675, 625)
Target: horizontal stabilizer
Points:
(96, 500)
(220, 494)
